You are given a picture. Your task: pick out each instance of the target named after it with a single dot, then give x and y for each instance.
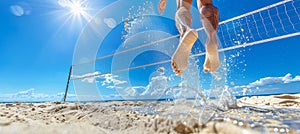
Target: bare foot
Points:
(212, 62)
(181, 56)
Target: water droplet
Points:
(241, 123)
(287, 130)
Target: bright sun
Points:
(76, 10)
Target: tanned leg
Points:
(188, 36)
(210, 20)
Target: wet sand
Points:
(255, 115)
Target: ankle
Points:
(211, 47)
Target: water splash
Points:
(135, 19)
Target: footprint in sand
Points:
(5, 121)
(181, 56)
(288, 103)
(287, 97)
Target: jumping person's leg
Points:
(210, 20)
(183, 17)
(188, 36)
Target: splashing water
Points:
(187, 97)
(135, 19)
(203, 97)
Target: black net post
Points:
(67, 86)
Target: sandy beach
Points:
(257, 114)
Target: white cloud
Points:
(89, 77)
(270, 84)
(108, 80)
(274, 80)
(155, 88)
(25, 93)
(31, 96)
(111, 79)
(132, 91)
(296, 79)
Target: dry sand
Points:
(277, 101)
(119, 117)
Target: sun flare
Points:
(75, 10)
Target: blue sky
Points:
(36, 49)
(37, 45)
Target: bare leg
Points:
(212, 62)
(188, 37)
(210, 20)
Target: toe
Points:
(206, 70)
(175, 69)
(173, 65)
(178, 73)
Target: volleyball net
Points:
(274, 22)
